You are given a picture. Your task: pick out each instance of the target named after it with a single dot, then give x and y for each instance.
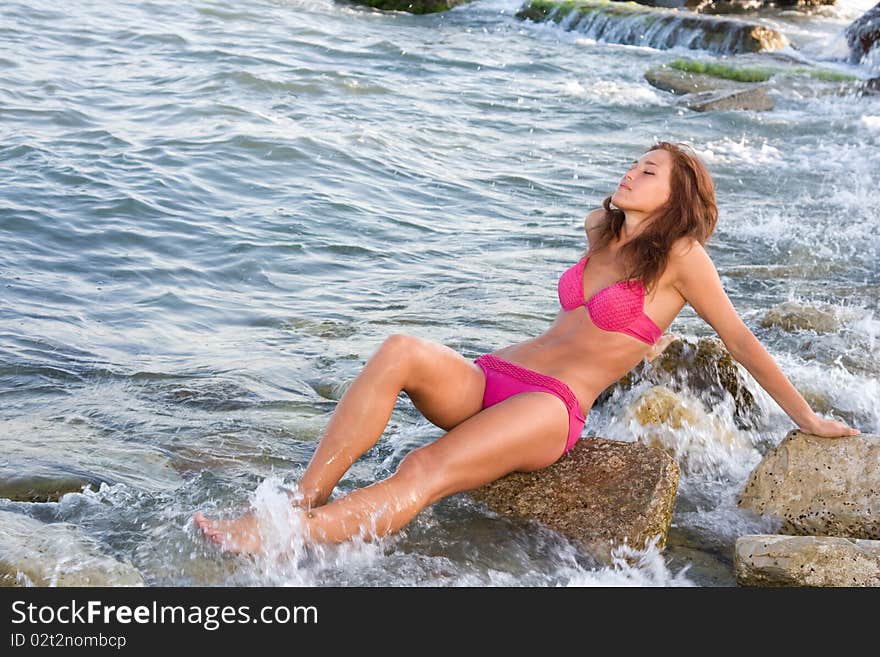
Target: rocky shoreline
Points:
(708, 26)
(606, 493)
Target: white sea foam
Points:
(615, 92)
(743, 150)
(289, 558)
(699, 439)
(854, 394)
(632, 567)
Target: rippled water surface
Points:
(213, 213)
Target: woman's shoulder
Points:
(687, 258)
(682, 247)
(593, 219)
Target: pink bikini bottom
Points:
(505, 379)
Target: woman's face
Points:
(645, 187)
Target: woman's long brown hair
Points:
(690, 210)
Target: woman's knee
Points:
(398, 347)
(395, 353)
(417, 469)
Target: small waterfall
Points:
(631, 24)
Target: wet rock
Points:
(819, 486)
(732, 6)
(702, 367)
(412, 6)
(633, 24)
(601, 494)
(44, 486)
(686, 82)
(33, 553)
(794, 316)
(863, 34)
(754, 99)
(779, 560)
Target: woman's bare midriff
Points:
(580, 354)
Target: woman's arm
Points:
(698, 282)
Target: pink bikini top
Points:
(618, 307)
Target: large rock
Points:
(412, 6)
(819, 486)
(601, 494)
(778, 560)
(33, 553)
(633, 24)
(863, 34)
(702, 367)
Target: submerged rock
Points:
(601, 494)
(863, 34)
(779, 560)
(819, 486)
(633, 24)
(43, 459)
(412, 6)
(33, 553)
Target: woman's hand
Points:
(819, 426)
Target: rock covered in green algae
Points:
(711, 85)
(634, 24)
(819, 486)
(780, 560)
(703, 91)
(601, 494)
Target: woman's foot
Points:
(237, 535)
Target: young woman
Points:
(522, 407)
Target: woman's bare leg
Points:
(443, 385)
(525, 432)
